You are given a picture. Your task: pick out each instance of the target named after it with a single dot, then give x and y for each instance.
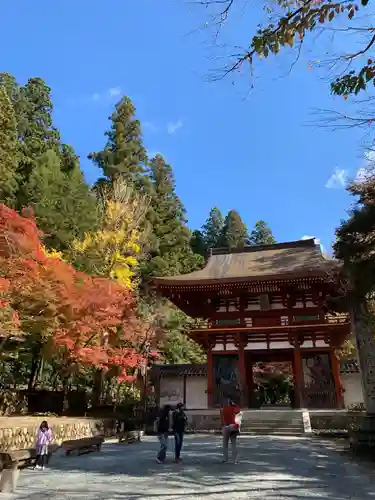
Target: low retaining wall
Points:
(322, 421)
(20, 432)
(335, 421)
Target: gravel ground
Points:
(270, 468)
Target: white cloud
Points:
(150, 126)
(172, 127)
(106, 95)
(307, 237)
(338, 179)
(316, 241)
(114, 92)
(367, 170)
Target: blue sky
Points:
(249, 151)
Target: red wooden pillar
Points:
(242, 366)
(210, 368)
(298, 375)
(249, 378)
(335, 365)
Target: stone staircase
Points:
(280, 422)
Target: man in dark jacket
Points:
(162, 429)
(179, 422)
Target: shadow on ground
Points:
(270, 467)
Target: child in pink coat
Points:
(43, 439)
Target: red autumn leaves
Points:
(84, 320)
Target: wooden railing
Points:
(249, 322)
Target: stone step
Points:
(272, 422)
(281, 432)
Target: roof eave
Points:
(176, 281)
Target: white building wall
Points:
(196, 393)
(353, 388)
(171, 391)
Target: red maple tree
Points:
(85, 320)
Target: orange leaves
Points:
(87, 320)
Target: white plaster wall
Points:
(353, 388)
(171, 390)
(196, 393)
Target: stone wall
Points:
(20, 432)
(325, 420)
(322, 421)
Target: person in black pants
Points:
(179, 422)
(162, 429)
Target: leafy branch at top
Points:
(292, 25)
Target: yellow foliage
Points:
(112, 251)
(52, 254)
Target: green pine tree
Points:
(197, 243)
(170, 251)
(12, 88)
(234, 235)
(261, 234)
(124, 154)
(176, 347)
(8, 151)
(213, 228)
(63, 204)
(36, 132)
(68, 158)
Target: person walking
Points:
(178, 426)
(163, 426)
(231, 418)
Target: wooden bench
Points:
(13, 460)
(84, 445)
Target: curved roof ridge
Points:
(296, 259)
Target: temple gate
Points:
(265, 303)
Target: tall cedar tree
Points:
(197, 243)
(8, 150)
(36, 133)
(354, 246)
(170, 251)
(12, 88)
(64, 207)
(213, 228)
(38, 148)
(234, 235)
(261, 234)
(124, 154)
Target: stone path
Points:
(270, 468)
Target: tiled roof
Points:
(259, 262)
(178, 370)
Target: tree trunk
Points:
(98, 387)
(363, 328)
(35, 363)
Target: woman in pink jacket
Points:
(43, 439)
